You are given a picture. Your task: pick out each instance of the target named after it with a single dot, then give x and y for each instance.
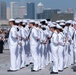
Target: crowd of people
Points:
(41, 43)
(2, 39)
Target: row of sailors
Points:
(41, 44)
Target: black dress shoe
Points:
(11, 70)
(66, 68)
(34, 71)
(74, 70)
(27, 65)
(22, 67)
(31, 63)
(53, 72)
(60, 70)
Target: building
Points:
(75, 14)
(40, 8)
(62, 15)
(2, 10)
(40, 16)
(30, 10)
(14, 9)
(47, 13)
(22, 11)
(8, 12)
(70, 10)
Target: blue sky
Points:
(60, 4)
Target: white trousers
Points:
(50, 54)
(34, 53)
(74, 53)
(60, 57)
(46, 52)
(13, 56)
(19, 57)
(71, 54)
(54, 50)
(27, 53)
(39, 52)
(66, 55)
(23, 57)
(42, 57)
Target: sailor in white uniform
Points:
(46, 32)
(23, 37)
(41, 48)
(13, 46)
(60, 48)
(54, 49)
(67, 45)
(49, 43)
(74, 41)
(19, 45)
(71, 55)
(40, 34)
(27, 46)
(33, 45)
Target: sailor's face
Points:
(52, 29)
(10, 23)
(58, 30)
(74, 26)
(67, 25)
(30, 25)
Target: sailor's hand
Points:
(64, 44)
(21, 38)
(45, 42)
(48, 37)
(20, 43)
(38, 39)
(69, 41)
(28, 38)
(16, 36)
(58, 43)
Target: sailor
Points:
(46, 32)
(40, 46)
(1, 43)
(27, 46)
(67, 45)
(33, 45)
(74, 41)
(71, 53)
(19, 44)
(60, 48)
(49, 43)
(43, 44)
(38, 28)
(23, 37)
(54, 49)
(13, 46)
